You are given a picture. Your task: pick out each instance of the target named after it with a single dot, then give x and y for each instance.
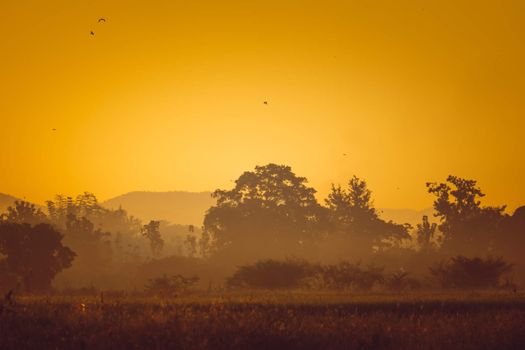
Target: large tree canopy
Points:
(87, 206)
(270, 211)
(33, 254)
(24, 213)
(102, 238)
(468, 227)
(353, 217)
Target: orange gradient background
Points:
(168, 95)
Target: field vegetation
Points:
(267, 320)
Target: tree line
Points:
(272, 210)
(270, 213)
(76, 236)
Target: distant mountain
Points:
(410, 216)
(177, 207)
(181, 207)
(6, 201)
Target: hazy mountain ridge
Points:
(180, 207)
(184, 207)
(6, 201)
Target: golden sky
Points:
(168, 95)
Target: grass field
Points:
(267, 321)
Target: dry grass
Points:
(268, 321)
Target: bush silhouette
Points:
(272, 274)
(346, 275)
(170, 286)
(462, 272)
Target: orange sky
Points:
(168, 95)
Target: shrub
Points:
(272, 274)
(400, 281)
(170, 286)
(462, 272)
(288, 274)
(346, 275)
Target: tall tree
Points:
(353, 216)
(152, 232)
(86, 205)
(24, 212)
(468, 227)
(34, 254)
(511, 240)
(269, 212)
(425, 234)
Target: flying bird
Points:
(92, 33)
(53, 129)
(103, 20)
(265, 102)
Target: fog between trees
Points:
(268, 226)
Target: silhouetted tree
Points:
(34, 254)
(24, 213)
(171, 286)
(425, 234)
(346, 275)
(152, 232)
(466, 225)
(270, 212)
(463, 272)
(352, 215)
(86, 205)
(83, 230)
(205, 244)
(87, 227)
(401, 280)
(296, 273)
(272, 274)
(191, 245)
(93, 247)
(511, 240)
(60, 209)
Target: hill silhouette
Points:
(178, 207)
(6, 201)
(183, 207)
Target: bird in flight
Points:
(92, 33)
(344, 154)
(265, 102)
(53, 129)
(101, 20)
